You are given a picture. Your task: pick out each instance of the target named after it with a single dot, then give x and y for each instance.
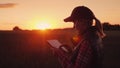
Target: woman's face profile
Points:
(79, 24)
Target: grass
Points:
(29, 49)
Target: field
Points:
(29, 49)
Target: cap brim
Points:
(68, 19)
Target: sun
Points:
(43, 25)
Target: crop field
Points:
(29, 49)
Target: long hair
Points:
(86, 13)
(99, 28)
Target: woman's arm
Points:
(63, 57)
(85, 55)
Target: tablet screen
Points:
(54, 43)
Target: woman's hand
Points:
(68, 48)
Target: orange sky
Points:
(29, 14)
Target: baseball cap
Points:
(80, 12)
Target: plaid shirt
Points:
(87, 56)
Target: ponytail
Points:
(99, 27)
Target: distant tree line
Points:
(108, 26)
(16, 28)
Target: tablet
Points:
(54, 43)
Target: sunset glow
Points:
(43, 25)
(29, 14)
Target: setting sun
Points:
(43, 25)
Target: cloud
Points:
(7, 5)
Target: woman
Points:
(87, 52)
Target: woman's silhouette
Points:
(87, 53)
